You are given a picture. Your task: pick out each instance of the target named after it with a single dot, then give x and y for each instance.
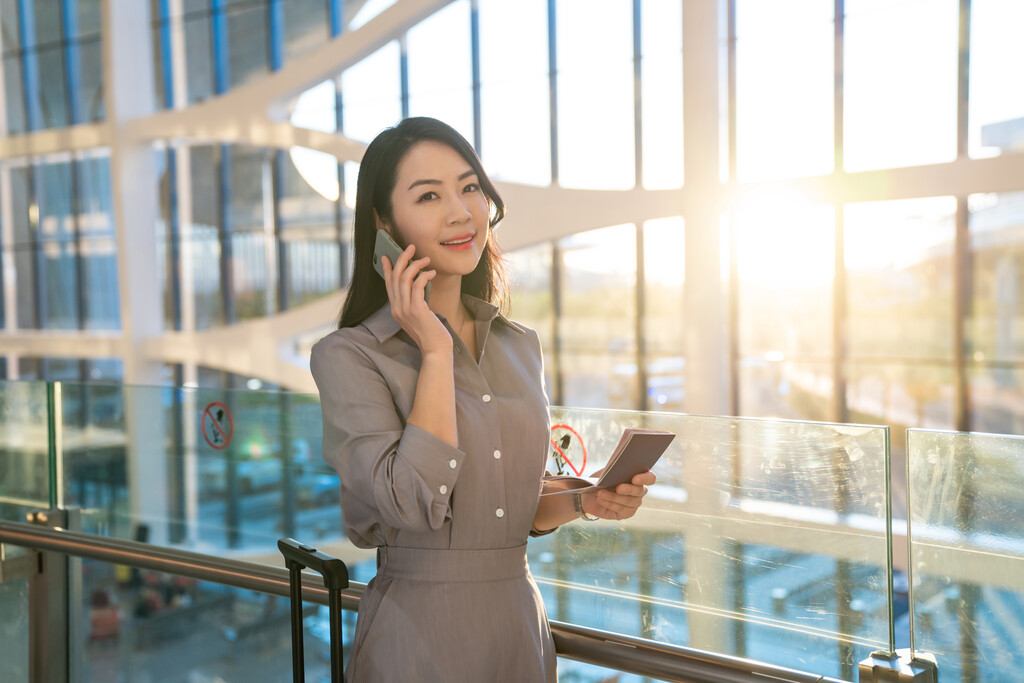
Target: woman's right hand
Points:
(405, 281)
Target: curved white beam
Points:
(267, 348)
(254, 105)
(56, 140)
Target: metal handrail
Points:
(610, 650)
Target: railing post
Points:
(903, 667)
(54, 617)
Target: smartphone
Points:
(386, 246)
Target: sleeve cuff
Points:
(438, 463)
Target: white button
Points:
(453, 463)
(486, 398)
(443, 489)
(499, 512)
(497, 455)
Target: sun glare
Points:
(783, 241)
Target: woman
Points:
(436, 421)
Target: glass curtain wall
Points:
(60, 244)
(846, 306)
(52, 64)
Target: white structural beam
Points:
(128, 75)
(705, 301)
(704, 298)
(262, 347)
(540, 214)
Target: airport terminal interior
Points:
(790, 231)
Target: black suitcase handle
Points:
(298, 556)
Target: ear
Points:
(381, 223)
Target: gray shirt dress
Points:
(453, 599)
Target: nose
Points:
(458, 211)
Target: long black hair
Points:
(378, 173)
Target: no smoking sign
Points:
(218, 427)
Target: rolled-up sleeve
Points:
(391, 473)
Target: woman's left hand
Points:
(622, 502)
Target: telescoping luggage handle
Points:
(298, 556)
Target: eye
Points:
(471, 187)
(426, 196)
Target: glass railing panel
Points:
(14, 628)
(211, 470)
(762, 539)
(966, 545)
(138, 624)
(24, 449)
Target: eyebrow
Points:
(431, 181)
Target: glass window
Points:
(372, 94)
(514, 91)
(305, 26)
(46, 14)
(598, 318)
(60, 286)
(14, 95)
(249, 177)
(899, 83)
(248, 43)
(308, 225)
(99, 263)
(249, 173)
(197, 6)
(995, 325)
(59, 267)
(899, 264)
(161, 62)
(595, 95)
(784, 88)
(996, 396)
(90, 18)
(98, 245)
(53, 190)
(313, 268)
(899, 268)
(662, 82)
(996, 117)
(9, 20)
(785, 258)
(530, 291)
(253, 299)
(440, 68)
(91, 100)
(94, 197)
(53, 88)
(664, 322)
(996, 328)
(198, 57)
(205, 243)
(302, 204)
(24, 212)
(169, 275)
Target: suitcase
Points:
(298, 556)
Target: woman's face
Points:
(438, 206)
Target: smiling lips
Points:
(463, 242)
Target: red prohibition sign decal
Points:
(218, 427)
(561, 453)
